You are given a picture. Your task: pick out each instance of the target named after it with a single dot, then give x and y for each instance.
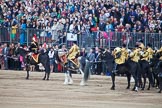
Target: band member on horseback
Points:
(150, 51)
(145, 55)
(120, 55)
(73, 55)
(159, 52)
(141, 45)
(34, 45)
(135, 54)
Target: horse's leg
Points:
(47, 71)
(135, 88)
(136, 84)
(66, 79)
(27, 76)
(149, 86)
(144, 82)
(82, 83)
(160, 91)
(128, 79)
(48, 74)
(113, 81)
(27, 70)
(44, 76)
(70, 77)
(140, 81)
(160, 84)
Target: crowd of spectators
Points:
(82, 16)
(10, 59)
(58, 17)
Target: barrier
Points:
(84, 38)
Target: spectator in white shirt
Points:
(51, 57)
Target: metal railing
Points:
(84, 38)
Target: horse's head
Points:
(28, 58)
(21, 51)
(154, 60)
(158, 54)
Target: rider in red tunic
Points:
(34, 45)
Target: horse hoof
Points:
(47, 79)
(27, 78)
(159, 91)
(43, 79)
(70, 83)
(112, 88)
(136, 89)
(142, 89)
(133, 89)
(65, 83)
(82, 83)
(148, 89)
(128, 88)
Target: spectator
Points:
(51, 57)
(5, 54)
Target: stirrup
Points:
(114, 71)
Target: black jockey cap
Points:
(75, 42)
(101, 49)
(149, 45)
(136, 46)
(140, 40)
(124, 45)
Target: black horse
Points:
(42, 58)
(145, 72)
(153, 63)
(157, 69)
(129, 68)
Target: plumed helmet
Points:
(34, 38)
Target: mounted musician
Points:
(135, 54)
(72, 56)
(159, 52)
(120, 55)
(34, 49)
(150, 51)
(34, 45)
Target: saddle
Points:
(35, 57)
(75, 62)
(63, 59)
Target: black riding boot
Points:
(114, 69)
(158, 65)
(70, 65)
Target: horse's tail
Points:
(86, 71)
